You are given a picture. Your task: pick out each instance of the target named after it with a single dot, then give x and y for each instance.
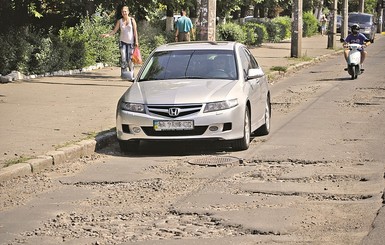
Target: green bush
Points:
(96, 48)
(60, 55)
(274, 31)
(150, 36)
(231, 32)
(284, 27)
(15, 51)
(39, 59)
(8, 52)
(74, 45)
(256, 33)
(310, 25)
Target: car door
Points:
(254, 87)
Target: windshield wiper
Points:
(194, 77)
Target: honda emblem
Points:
(173, 111)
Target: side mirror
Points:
(255, 73)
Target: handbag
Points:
(136, 57)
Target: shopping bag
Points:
(136, 57)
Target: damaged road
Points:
(318, 178)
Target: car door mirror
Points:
(255, 73)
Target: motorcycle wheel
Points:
(353, 72)
(358, 71)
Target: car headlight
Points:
(220, 105)
(367, 30)
(135, 107)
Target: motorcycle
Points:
(354, 59)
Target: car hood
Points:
(179, 91)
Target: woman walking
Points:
(127, 41)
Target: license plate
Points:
(173, 125)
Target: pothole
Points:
(365, 103)
(215, 161)
(316, 196)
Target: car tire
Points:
(244, 142)
(128, 146)
(265, 128)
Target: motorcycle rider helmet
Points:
(355, 28)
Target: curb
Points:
(276, 75)
(60, 156)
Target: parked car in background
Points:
(213, 91)
(368, 26)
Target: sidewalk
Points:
(51, 120)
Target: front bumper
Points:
(220, 125)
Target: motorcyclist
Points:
(356, 37)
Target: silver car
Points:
(196, 91)
(367, 24)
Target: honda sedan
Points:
(196, 91)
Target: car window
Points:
(253, 61)
(248, 61)
(184, 64)
(360, 18)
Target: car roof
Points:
(201, 45)
(358, 13)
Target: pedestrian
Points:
(324, 22)
(183, 28)
(127, 42)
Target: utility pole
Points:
(361, 7)
(206, 20)
(380, 14)
(333, 26)
(344, 27)
(296, 29)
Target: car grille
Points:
(199, 130)
(174, 111)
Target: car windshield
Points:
(190, 64)
(359, 18)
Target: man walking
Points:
(183, 28)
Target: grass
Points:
(279, 68)
(16, 161)
(90, 135)
(302, 59)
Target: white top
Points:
(126, 32)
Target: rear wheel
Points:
(128, 146)
(244, 143)
(265, 128)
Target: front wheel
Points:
(353, 72)
(244, 143)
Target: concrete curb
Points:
(276, 75)
(60, 156)
(15, 75)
